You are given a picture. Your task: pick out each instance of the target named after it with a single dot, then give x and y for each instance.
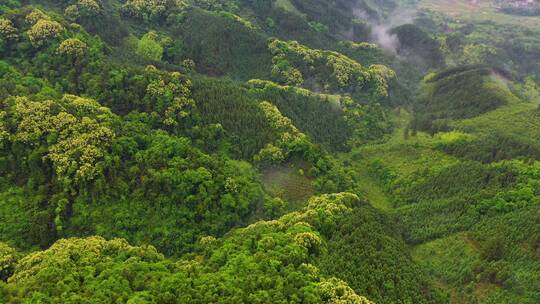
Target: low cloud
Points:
(382, 26)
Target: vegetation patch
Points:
(288, 182)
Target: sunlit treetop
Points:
(44, 30)
(72, 47)
(7, 30)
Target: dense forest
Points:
(269, 151)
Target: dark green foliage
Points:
(512, 46)
(509, 247)
(319, 116)
(221, 46)
(366, 253)
(402, 88)
(114, 123)
(167, 193)
(456, 196)
(163, 173)
(336, 15)
(418, 46)
(458, 93)
(369, 122)
(492, 148)
(231, 106)
(265, 262)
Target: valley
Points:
(269, 151)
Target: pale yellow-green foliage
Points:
(267, 84)
(453, 137)
(270, 153)
(83, 8)
(72, 47)
(152, 8)
(35, 15)
(231, 185)
(291, 75)
(380, 75)
(308, 55)
(4, 134)
(291, 62)
(213, 5)
(43, 30)
(319, 208)
(239, 19)
(308, 240)
(325, 208)
(282, 68)
(89, 251)
(338, 292)
(72, 12)
(176, 85)
(169, 95)
(8, 259)
(89, 7)
(188, 65)
(77, 130)
(7, 30)
(181, 4)
(35, 118)
(180, 109)
(276, 152)
(290, 137)
(451, 58)
(358, 45)
(79, 147)
(344, 68)
(276, 120)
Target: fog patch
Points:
(381, 35)
(381, 27)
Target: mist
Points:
(381, 27)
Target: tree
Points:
(35, 15)
(54, 274)
(8, 259)
(188, 65)
(7, 31)
(43, 30)
(76, 130)
(149, 47)
(478, 54)
(88, 8)
(152, 10)
(72, 48)
(84, 9)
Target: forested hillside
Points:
(269, 151)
